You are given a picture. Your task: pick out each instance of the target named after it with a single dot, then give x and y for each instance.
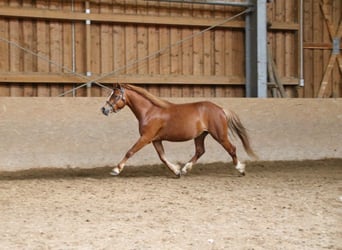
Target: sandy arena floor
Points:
(277, 205)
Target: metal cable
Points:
(44, 58)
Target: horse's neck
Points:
(138, 104)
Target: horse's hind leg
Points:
(199, 145)
(160, 150)
(231, 149)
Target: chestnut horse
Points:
(162, 120)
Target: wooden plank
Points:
(164, 58)
(16, 55)
(106, 48)
(184, 79)
(238, 61)
(197, 63)
(231, 51)
(80, 49)
(4, 53)
(329, 24)
(43, 39)
(88, 46)
(130, 49)
(96, 39)
(97, 57)
(337, 72)
(290, 67)
(29, 59)
(273, 92)
(218, 54)
(130, 40)
(139, 79)
(209, 50)
(308, 54)
(236, 57)
(209, 90)
(118, 42)
(325, 53)
(339, 60)
(175, 54)
(218, 51)
(67, 47)
(283, 26)
(228, 55)
(279, 55)
(153, 46)
(219, 59)
(338, 16)
(198, 56)
(274, 25)
(272, 83)
(175, 51)
(208, 46)
(55, 48)
(319, 45)
(130, 18)
(318, 65)
(276, 75)
(142, 41)
(327, 74)
(338, 81)
(187, 48)
(164, 42)
(57, 78)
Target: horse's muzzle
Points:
(105, 111)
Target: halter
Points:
(120, 97)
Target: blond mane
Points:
(155, 100)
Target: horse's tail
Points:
(235, 125)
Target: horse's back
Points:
(189, 120)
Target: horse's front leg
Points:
(143, 140)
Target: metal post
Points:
(250, 56)
(256, 51)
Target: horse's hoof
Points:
(187, 167)
(241, 168)
(178, 175)
(242, 174)
(114, 172)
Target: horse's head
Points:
(115, 102)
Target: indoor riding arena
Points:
(276, 64)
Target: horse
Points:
(161, 120)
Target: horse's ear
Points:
(116, 86)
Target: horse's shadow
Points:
(212, 169)
(149, 171)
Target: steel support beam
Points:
(256, 50)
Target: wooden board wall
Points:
(123, 32)
(318, 47)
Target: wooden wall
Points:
(318, 47)
(55, 42)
